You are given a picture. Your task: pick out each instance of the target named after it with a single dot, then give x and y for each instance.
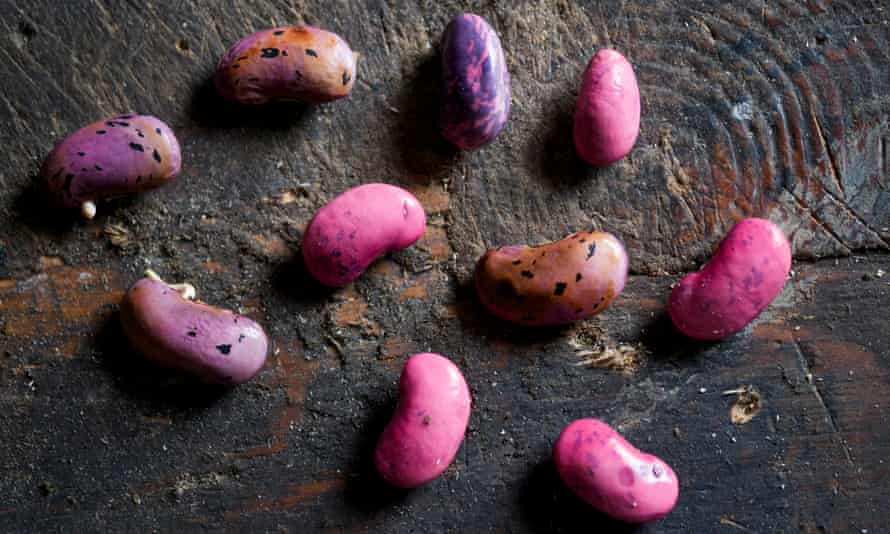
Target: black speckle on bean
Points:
(517, 262)
(591, 250)
(269, 53)
(578, 277)
(193, 334)
(279, 32)
(100, 132)
(559, 289)
(310, 52)
(527, 274)
(137, 147)
(155, 155)
(224, 349)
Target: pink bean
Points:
(423, 437)
(612, 475)
(607, 112)
(351, 231)
(741, 279)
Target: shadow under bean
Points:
(547, 505)
(155, 387)
(366, 491)
(207, 108)
(424, 152)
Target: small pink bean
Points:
(351, 231)
(612, 475)
(741, 279)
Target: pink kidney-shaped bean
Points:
(112, 157)
(475, 83)
(288, 63)
(554, 283)
(612, 475)
(740, 280)
(211, 343)
(607, 111)
(423, 437)
(358, 226)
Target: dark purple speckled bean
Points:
(112, 157)
(476, 84)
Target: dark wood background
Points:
(778, 109)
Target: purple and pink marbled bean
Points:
(475, 83)
(112, 157)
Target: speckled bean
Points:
(112, 157)
(553, 283)
(214, 344)
(288, 63)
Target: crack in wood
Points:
(814, 388)
(802, 204)
(832, 159)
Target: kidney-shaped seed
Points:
(607, 111)
(425, 433)
(211, 343)
(612, 475)
(112, 157)
(288, 63)
(554, 283)
(358, 226)
(740, 280)
(475, 83)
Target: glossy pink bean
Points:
(607, 111)
(355, 228)
(425, 433)
(746, 273)
(612, 475)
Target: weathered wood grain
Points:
(776, 109)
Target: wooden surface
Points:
(777, 109)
